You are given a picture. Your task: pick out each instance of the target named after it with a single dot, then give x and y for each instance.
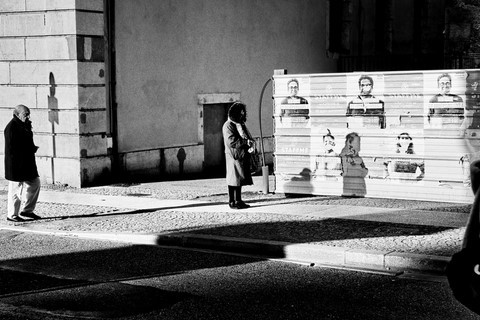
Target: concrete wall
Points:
(52, 60)
(170, 53)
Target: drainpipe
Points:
(264, 167)
(110, 82)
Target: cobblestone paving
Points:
(296, 229)
(62, 211)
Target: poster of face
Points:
(404, 103)
(339, 161)
(472, 100)
(326, 163)
(444, 101)
(405, 162)
(366, 106)
(292, 107)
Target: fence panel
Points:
(406, 135)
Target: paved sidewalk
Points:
(380, 234)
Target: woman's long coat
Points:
(237, 157)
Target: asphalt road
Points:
(48, 277)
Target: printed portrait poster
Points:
(292, 106)
(404, 103)
(471, 124)
(447, 119)
(339, 163)
(326, 162)
(366, 104)
(444, 101)
(404, 161)
(327, 103)
(472, 100)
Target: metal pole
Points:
(264, 166)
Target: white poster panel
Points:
(409, 135)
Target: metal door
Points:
(214, 116)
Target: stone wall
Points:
(52, 60)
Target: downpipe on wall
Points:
(264, 166)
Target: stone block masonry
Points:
(52, 60)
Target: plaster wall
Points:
(169, 52)
(164, 161)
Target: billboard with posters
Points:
(407, 135)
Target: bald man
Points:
(20, 166)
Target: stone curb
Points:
(312, 254)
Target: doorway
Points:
(214, 116)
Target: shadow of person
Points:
(181, 156)
(52, 102)
(299, 185)
(304, 175)
(53, 118)
(353, 167)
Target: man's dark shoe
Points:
(242, 205)
(232, 205)
(30, 215)
(15, 219)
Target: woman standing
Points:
(238, 146)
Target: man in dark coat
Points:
(20, 166)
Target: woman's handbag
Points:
(463, 270)
(255, 162)
(255, 166)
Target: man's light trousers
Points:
(15, 190)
